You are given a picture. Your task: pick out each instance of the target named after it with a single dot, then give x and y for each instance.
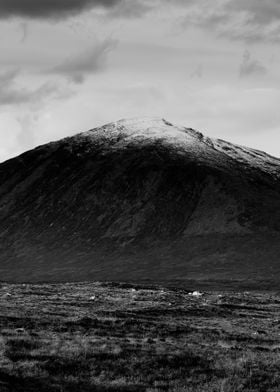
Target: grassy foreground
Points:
(117, 337)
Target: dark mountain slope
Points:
(140, 199)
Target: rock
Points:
(196, 294)
(20, 330)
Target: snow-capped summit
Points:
(144, 128)
(143, 131)
(137, 199)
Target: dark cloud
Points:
(90, 61)
(59, 9)
(248, 20)
(50, 8)
(250, 66)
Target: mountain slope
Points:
(140, 199)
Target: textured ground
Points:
(119, 337)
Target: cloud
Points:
(262, 19)
(24, 30)
(197, 72)
(90, 61)
(8, 77)
(250, 66)
(246, 20)
(9, 94)
(23, 106)
(55, 9)
(60, 9)
(260, 11)
(129, 9)
(26, 136)
(12, 94)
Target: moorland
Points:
(128, 337)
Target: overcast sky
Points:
(71, 65)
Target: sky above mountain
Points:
(70, 65)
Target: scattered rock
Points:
(20, 330)
(196, 294)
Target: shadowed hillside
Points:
(140, 199)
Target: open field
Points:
(118, 337)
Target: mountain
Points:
(140, 199)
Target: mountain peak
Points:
(139, 198)
(145, 129)
(137, 124)
(142, 122)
